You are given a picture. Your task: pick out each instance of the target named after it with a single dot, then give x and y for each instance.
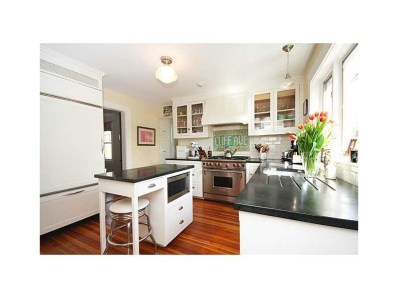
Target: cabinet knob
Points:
(181, 207)
(181, 222)
(151, 185)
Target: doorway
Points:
(112, 141)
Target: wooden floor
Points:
(214, 230)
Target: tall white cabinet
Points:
(71, 135)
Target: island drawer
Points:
(179, 217)
(150, 186)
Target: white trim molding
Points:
(127, 162)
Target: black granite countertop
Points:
(334, 205)
(184, 159)
(142, 174)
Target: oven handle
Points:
(227, 171)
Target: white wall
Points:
(142, 114)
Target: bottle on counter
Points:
(209, 153)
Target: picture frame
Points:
(146, 136)
(305, 107)
(351, 146)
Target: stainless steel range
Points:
(223, 178)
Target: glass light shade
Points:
(288, 84)
(166, 74)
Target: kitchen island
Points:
(168, 219)
(287, 214)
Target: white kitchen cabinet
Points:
(274, 111)
(251, 168)
(197, 178)
(226, 109)
(187, 120)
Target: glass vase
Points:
(311, 164)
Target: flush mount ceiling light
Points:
(166, 73)
(288, 79)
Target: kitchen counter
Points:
(185, 159)
(335, 205)
(144, 173)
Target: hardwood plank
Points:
(214, 230)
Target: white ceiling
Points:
(130, 68)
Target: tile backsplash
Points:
(277, 143)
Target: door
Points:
(286, 109)
(181, 118)
(112, 141)
(70, 144)
(261, 121)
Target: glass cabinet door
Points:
(285, 108)
(262, 112)
(182, 119)
(196, 118)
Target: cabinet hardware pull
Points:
(181, 207)
(151, 185)
(73, 193)
(181, 222)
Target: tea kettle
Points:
(229, 153)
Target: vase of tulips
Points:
(313, 136)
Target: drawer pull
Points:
(181, 222)
(73, 193)
(181, 207)
(151, 185)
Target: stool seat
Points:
(124, 205)
(121, 212)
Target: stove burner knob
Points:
(219, 164)
(210, 163)
(242, 165)
(227, 165)
(234, 165)
(238, 165)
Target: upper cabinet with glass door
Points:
(187, 120)
(274, 111)
(286, 104)
(261, 114)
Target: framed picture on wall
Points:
(146, 136)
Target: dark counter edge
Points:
(182, 159)
(250, 160)
(322, 220)
(186, 167)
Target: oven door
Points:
(227, 183)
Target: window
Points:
(108, 140)
(350, 98)
(328, 96)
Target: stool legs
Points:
(150, 232)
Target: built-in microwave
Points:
(177, 186)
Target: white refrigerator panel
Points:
(70, 144)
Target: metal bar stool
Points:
(121, 212)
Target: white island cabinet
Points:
(168, 218)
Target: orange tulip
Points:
(323, 118)
(311, 117)
(316, 114)
(300, 126)
(292, 137)
(324, 114)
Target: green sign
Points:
(232, 139)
